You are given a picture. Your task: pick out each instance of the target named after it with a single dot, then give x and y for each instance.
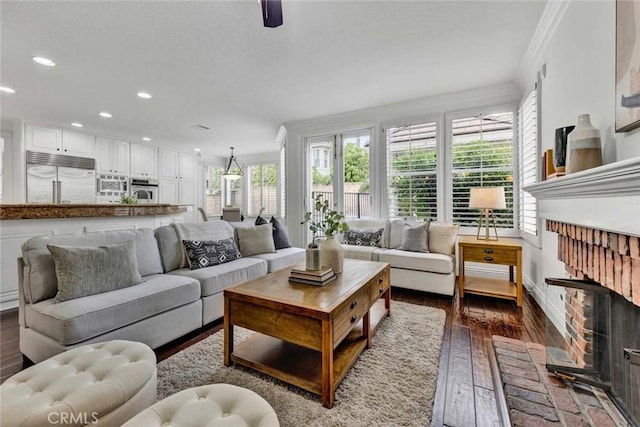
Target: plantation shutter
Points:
(528, 125)
(411, 171)
(482, 156)
(281, 181)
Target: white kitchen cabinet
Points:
(168, 164)
(112, 156)
(144, 161)
(41, 139)
(78, 144)
(186, 192)
(168, 191)
(177, 177)
(56, 141)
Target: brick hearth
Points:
(611, 259)
(537, 398)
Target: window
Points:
(213, 190)
(262, 189)
(282, 180)
(482, 156)
(411, 170)
(233, 193)
(528, 157)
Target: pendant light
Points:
(235, 173)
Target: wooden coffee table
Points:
(307, 336)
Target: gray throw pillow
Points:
(280, 238)
(365, 237)
(84, 271)
(207, 253)
(256, 240)
(414, 237)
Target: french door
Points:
(338, 169)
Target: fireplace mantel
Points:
(605, 198)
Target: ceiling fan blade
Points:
(272, 13)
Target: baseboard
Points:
(489, 271)
(538, 294)
(9, 300)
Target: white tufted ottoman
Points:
(98, 384)
(210, 405)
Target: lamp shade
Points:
(487, 198)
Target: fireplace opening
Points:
(594, 340)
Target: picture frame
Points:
(627, 65)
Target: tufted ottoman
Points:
(99, 384)
(210, 405)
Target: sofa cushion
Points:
(442, 237)
(431, 262)
(280, 237)
(255, 240)
(367, 253)
(365, 237)
(414, 237)
(83, 271)
(282, 258)
(215, 279)
(76, 320)
(207, 253)
(210, 230)
(396, 226)
(40, 282)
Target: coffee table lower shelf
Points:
(301, 366)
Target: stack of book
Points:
(313, 277)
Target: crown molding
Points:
(549, 21)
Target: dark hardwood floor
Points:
(464, 395)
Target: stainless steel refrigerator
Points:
(55, 178)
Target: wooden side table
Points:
(502, 252)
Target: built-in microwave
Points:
(112, 185)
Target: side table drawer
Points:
(490, 255)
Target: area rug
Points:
(391, 384)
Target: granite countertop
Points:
(75, 210)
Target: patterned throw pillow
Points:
(363, 237)
(207, 253)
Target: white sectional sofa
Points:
(430, 272)
(171, 301)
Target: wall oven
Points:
(144, 190)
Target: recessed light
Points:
(5, 89)
(146, 138)
(105, 114)
(44, 61)
(76, 124)
(197, 150)
(144, 95)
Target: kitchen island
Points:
(61, 210)
(20, 222)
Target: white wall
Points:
(580, 78)
(434, 107)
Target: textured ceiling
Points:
(213, 63)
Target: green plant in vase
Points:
(327, 222)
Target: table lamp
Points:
(487, 199)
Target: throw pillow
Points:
(363, 237)
(261, 221)
(207, 253)
(84, 271)
(442, 238)
(414, 237)
(280, 238)
(256, 240)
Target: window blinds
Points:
(411, 171)
(528, 156)
(482, 156)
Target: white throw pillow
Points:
(442, 238)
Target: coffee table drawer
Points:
(490, 255)
(379, 286)
(349, 314)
